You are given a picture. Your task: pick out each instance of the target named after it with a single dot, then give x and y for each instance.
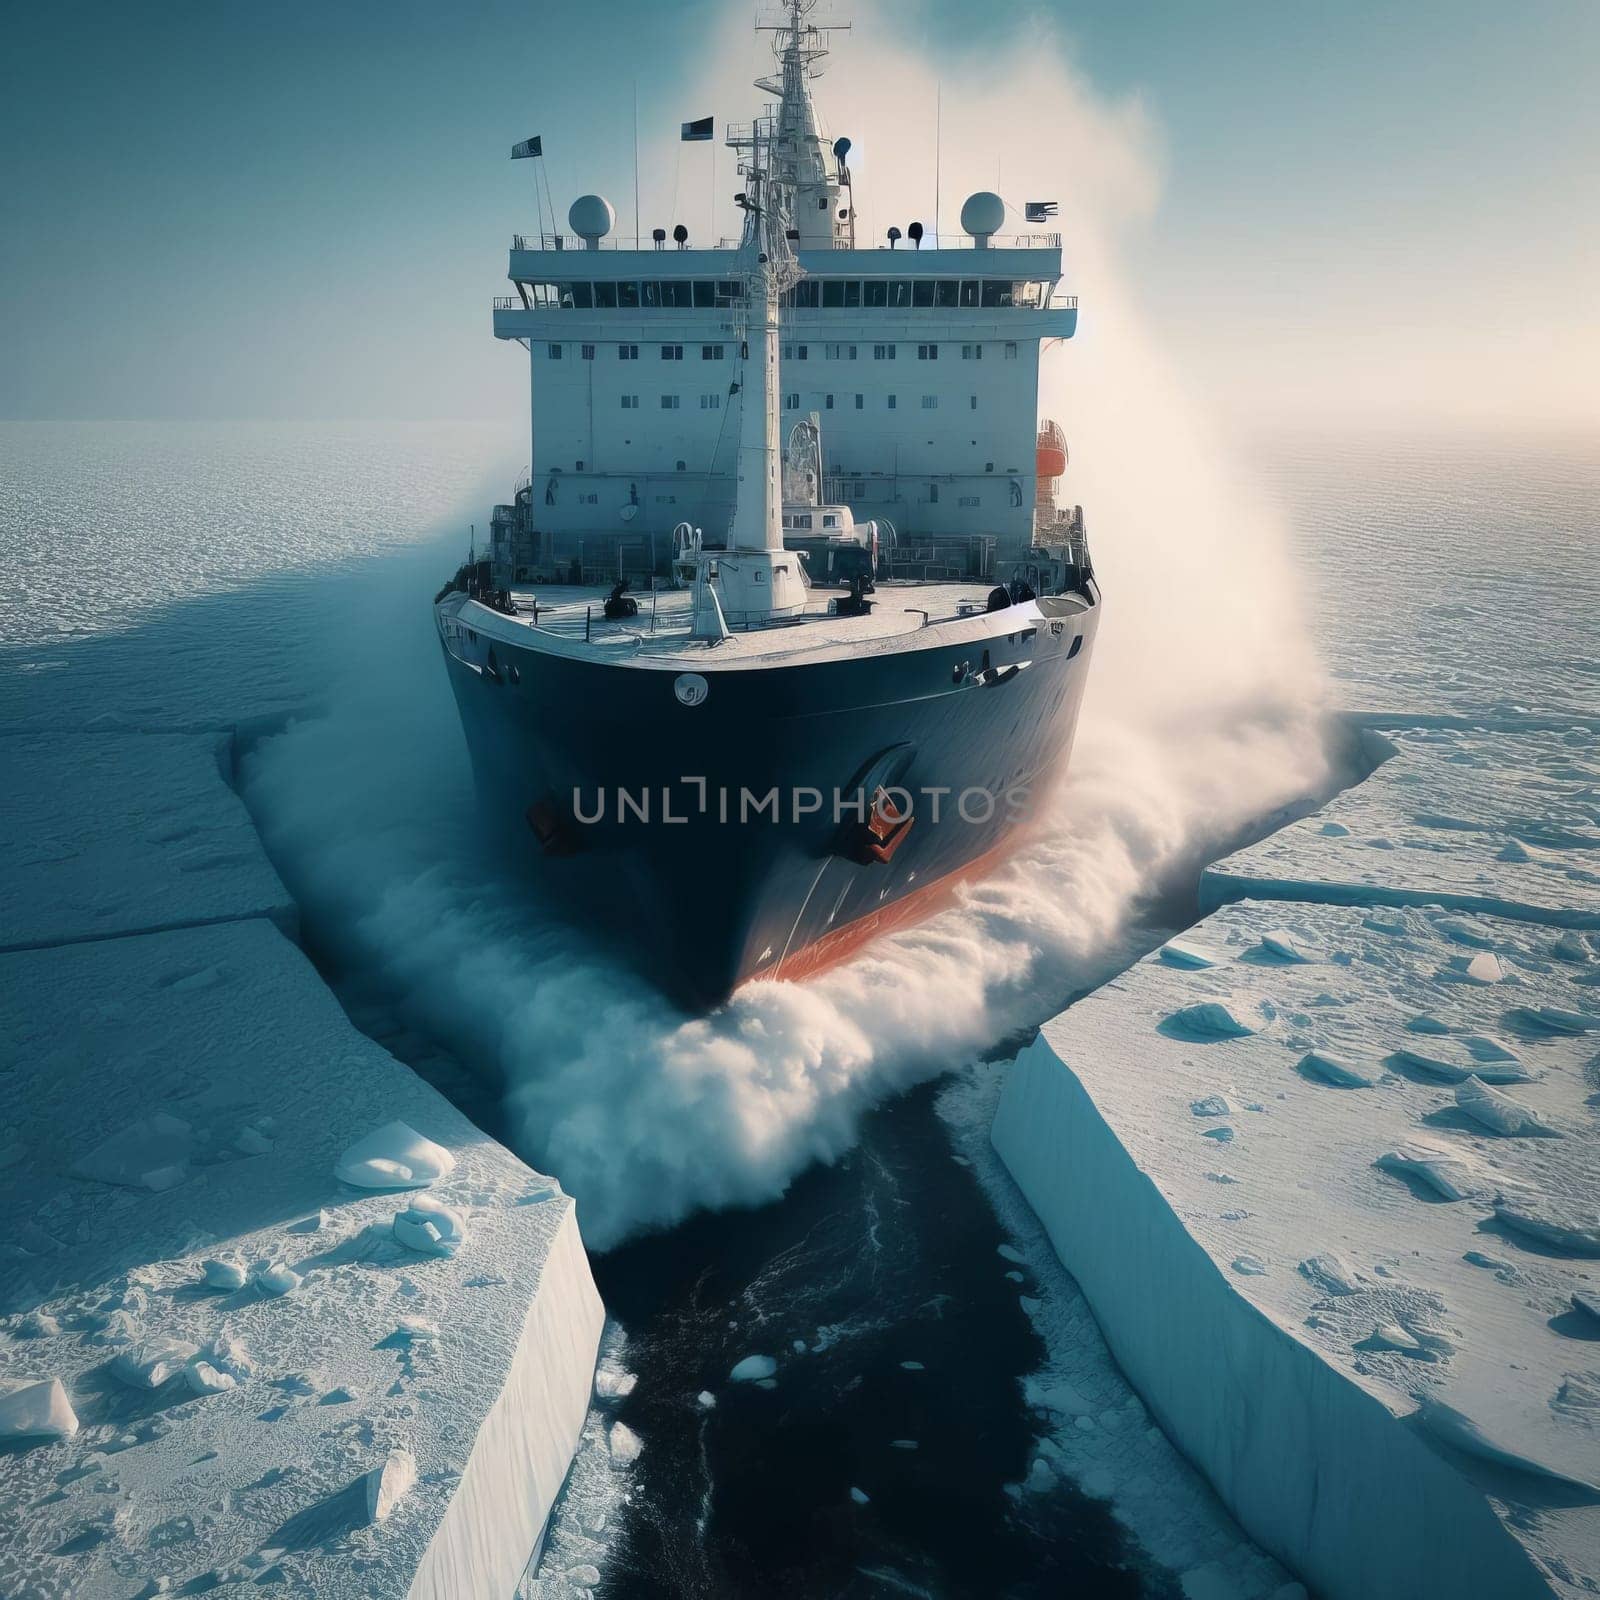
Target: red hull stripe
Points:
(841, 943)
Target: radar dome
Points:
(983, 214)
(591, 216)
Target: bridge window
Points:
(998, 293)
(833, 293)
(579, 295)
(705, 293)
(875, 292)
(553, 351)
(729, 293)
(807, 294)
(628, 296)
(969, 291)
(605, 296)
(650, 294)
(829, 520)
(946, 293)
(900, 292)
(922, 292)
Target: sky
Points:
(213, 209)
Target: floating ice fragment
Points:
(389, 1484)
(221, 1274)
(274, 1277)
(911, 1366)
(1059, 1397)
(611, 1383)
(394, 1156)
(706, 1400)
(151, 1364)
(902, 1444)
(1183, 952)
(584, 1576)
(152, 1154)
(430, 1227)
(37, 1411)
(1009, 1252)
(1568, 1225)
(860, 1496)
(753, 1368)
(1450, 1175)
(1213, 1105)
(1485, 968)
(1330, 1069)
(625, 1445)
(1497, 1112)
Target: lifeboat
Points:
(1052, 450)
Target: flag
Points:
(528, 147)
(697, 130)
(1040, 210)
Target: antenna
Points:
(938, 137)
(636, 163)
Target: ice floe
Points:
(1338, 1269)
(395, 1423)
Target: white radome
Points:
(982, 214)
(591, 216)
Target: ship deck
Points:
(570, 620)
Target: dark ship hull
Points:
(787, 812)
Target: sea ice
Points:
(388, 1485)
(220, 1274)
(201, 1462)
(752, 1369)
(1498, 1112)
(1330, 1069)
(1292, 1389)
(625, 1445)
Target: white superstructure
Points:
(919, 357)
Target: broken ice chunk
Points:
(1212, 1105)
(1329, 1273)
(152, 1154)
(1214, 1019)
(611, 1383)
(1458, 1429)
(221, 1274)
(37, 1411)
(152, 1363)
(274, 1277)
(394, 1156)
(1183, 952)
(1568, 1225)
(752, 1369)
(204, 1378)
(1283, 944)
(428, 1226)
(1498, 1112)
(387, 1485)
(625, 1445)
(1448, 1174)
(1330, 1069)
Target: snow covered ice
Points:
(198, 1391)
(1377, 1319)
(1487, 820)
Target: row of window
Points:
(791, 402)
(791, 352)
(845, 294)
